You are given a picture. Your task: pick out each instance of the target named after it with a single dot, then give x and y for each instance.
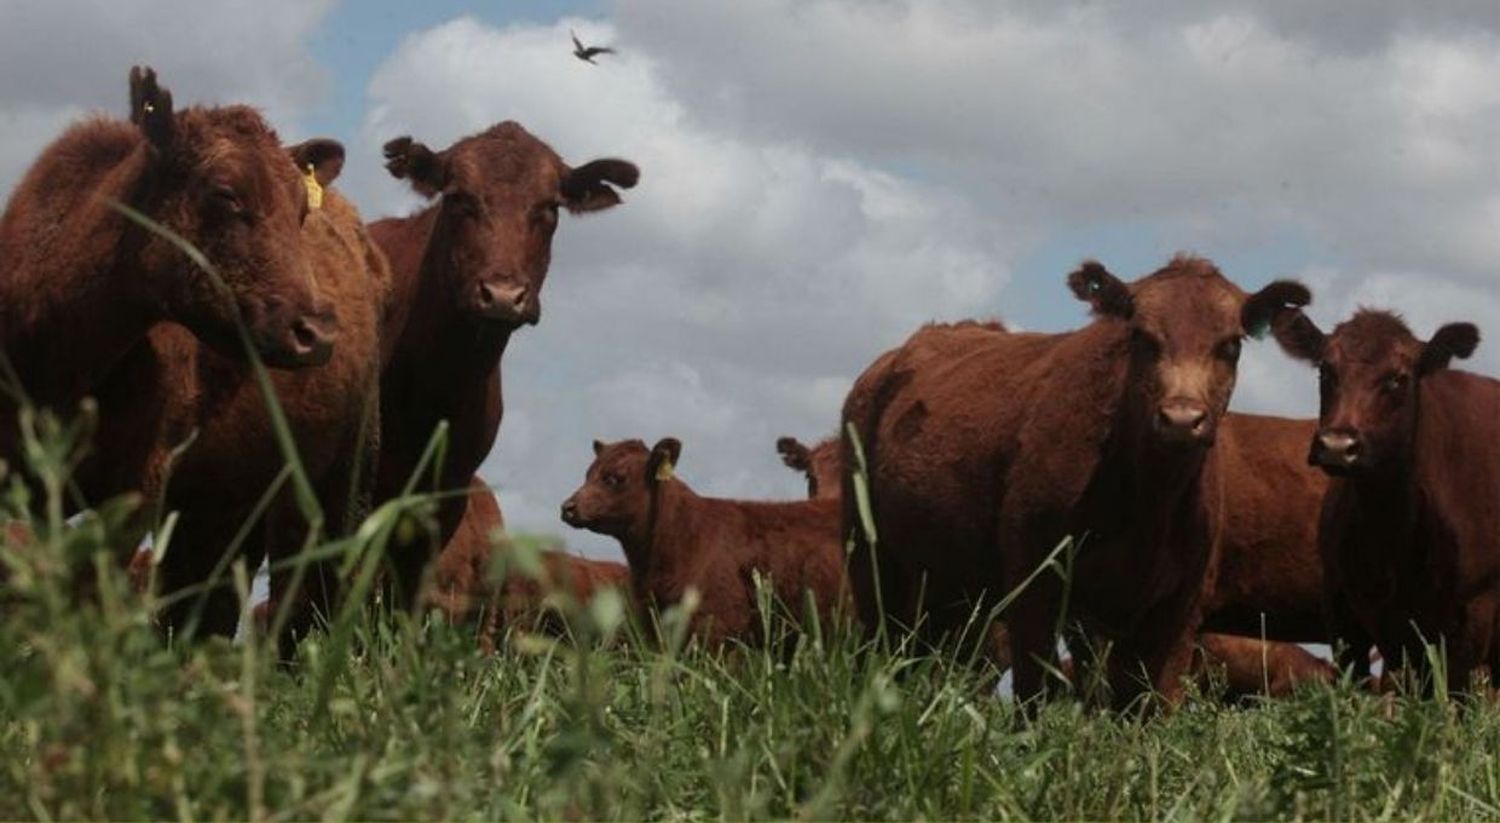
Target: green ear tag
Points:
(1258, 331)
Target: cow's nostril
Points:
(486, 294)
(306, 336)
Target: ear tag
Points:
(664, 471)
(1095, 286)
(314, 188)
(1258, 331)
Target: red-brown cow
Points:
(1250, 667)
(213, 403)
(987, 450)
(1269, 580)
(1410, 532)
(469, 272)
(83, 284)
(461, 583)
(675, 539)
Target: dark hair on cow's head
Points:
(619, 487)
(501, 192)
(1186, 323)
(219, 178)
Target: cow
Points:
(211, 448)
(83, 283)
(1249, 667)
(462, 584)
(1410, 527)
(987, 451)
(468, 272)
(675, 540)
(1269, 579)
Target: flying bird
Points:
(587, 54)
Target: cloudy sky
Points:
(821, 176)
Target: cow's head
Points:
(615, 498)
(501, 192)
(1370, 374)
(1186, 323)
(821, 464)
(220, 179)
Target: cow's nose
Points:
(1183, 420)
(500, 301)
(570, 512)
(1337, 449)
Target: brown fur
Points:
(461, 584)
(233, 458)
(986, 450)
(675, 540)
(469, 271)
(1250, 667)
(83, 285)
(1410, 531)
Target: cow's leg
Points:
(1471, 648)
(1351, 641)
(1159, 653)
(195, 557)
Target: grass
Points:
(101, 718)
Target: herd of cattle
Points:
(1096, 476)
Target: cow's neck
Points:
(69, 326)
(643, 542)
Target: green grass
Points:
(100, 718)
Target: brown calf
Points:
(987, 450)
(1250, 667)
(1410, 532)
(83, 284)
(469, 272)
(213, 402)
(675, 540)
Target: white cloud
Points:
(62, 59)
(729, 301)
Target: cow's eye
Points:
(1393, 383)
(1228, 349)
(227, 200)
(545, 213)
(1144, 343)
(613, 481)
(462, 203)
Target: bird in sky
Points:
(587, 53)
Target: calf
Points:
(1410, 528)
(83, 284)
(1248, 666)
(469, 272)
(986, 450)
(462, 580)
(675, 540)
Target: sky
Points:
(820, 177)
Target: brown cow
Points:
(213, 403)
(1269, 581)
(986, 451)
(461, 583)
(82, 284)
(1248, 666)
(675, 540)
(1410, 532)
(469, 272)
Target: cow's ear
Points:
(663, 460)
(588, 187)
(1093, 284)
(794, 454)
(320, 155)
(151, 108)
(1453, 340)
(1299, 336)
(426, 170)
(1278, 298)
(598, 447)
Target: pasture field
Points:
(401, 719)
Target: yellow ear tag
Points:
(664, 471)
(314, 189)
